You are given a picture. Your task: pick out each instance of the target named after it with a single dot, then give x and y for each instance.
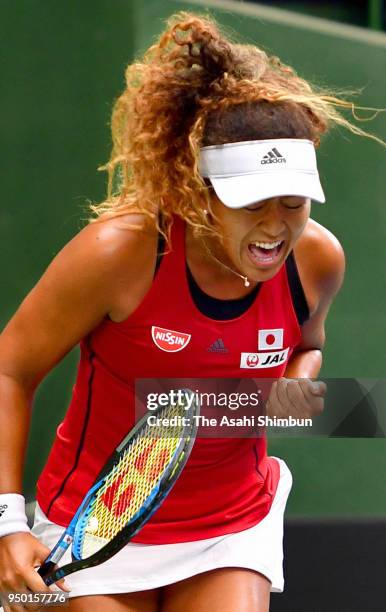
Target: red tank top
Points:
(227, 484)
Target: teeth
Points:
(267, 245)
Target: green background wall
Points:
(63, 66)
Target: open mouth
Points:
(265, 253)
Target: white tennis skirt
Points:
(138, 567)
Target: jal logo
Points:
(252, 360)
(263, 360)
(169, 340)
(270, 339)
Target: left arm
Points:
(321, 265)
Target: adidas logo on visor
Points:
(273, 157)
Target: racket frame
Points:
(48, 570)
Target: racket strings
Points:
(132, 481)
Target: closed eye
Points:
(255, 207)
(294, 202)
(293, 207)
(290, 203)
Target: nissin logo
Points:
(169, 340)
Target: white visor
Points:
(246, 172)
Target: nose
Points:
(271, 222)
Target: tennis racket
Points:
(132, 485)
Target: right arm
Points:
(86, 282)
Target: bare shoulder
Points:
(321, 262)
(95, 275)
(118, 249)
(116, 243)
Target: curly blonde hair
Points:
(195, 87)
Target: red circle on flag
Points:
(270, 339)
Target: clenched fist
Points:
(296, 397)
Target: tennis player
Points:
(205, 245)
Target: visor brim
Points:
(243, 190)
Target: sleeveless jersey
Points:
(228, 484)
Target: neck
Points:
(212, 269)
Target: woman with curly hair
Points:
(206, 233)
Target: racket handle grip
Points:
(45, 570)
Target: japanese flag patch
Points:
(270, 339)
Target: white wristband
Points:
(12, 514)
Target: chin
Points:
(260, 274)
